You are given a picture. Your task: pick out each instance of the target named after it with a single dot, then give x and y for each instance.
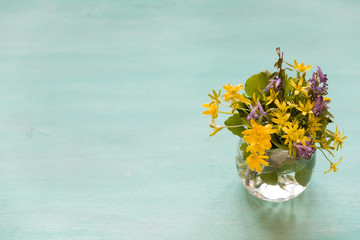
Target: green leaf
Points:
(268, 169)
(303, 176)
(287, 168)
(268, 73)
(257, 82)
(270, 178)
(245, 155)
(311, 163)
(234, 121)
(326, 115)
(324, 123)
(287, 90)
(243, 147)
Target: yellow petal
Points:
(207, 112)
(296, 64)
(205, 105)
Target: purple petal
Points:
(252, 113)
(319, 105)
(323, 77)
(261, 110)
(278, 83)
(267, 88)
(305, 151)
(275, 83)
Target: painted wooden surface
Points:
(101, 130)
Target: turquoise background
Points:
(101, 130)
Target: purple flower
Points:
(254, 113)
(317, 79)
(261, 110)
(275, 83)
(319, 105)
(305, 151)
(318, 85)
(267, 88)
(313, 80)
(323, 77)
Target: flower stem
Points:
(277, 144)
(226, 112)
(233, 126)
(325, 155)
(224, 104)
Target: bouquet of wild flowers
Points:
(279, 110)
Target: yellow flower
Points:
(281, 106)
(291, 104)
(293, 135)
(232, 92)
(313, 125)
(255, 160)
(301, 67)
(307, 108)
(216, 129)
(280, 119)
(259, 147)
(272, 97)
(258, 137)
(325, 144)
(338, 139)
(235, 97)
(333, 166)
(235, 105)
(243, 99)
(213, 107)
(299, 87)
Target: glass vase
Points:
(285, 177)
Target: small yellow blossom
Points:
(216, 129)
(272, 97)
(299, 88)
(280, 119)
(325, 144)
(232, 92)
(213, 107)
(255, 160)
(235, 105)
(307, 108)
(258, 147)
(333, 166)
(243, 99)
(281, 106)
(301, 67)
(338, 139)
(291, 104)
(293, 135)
(216, 96)
(235, 97)
(313, 125)
(258, 137)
